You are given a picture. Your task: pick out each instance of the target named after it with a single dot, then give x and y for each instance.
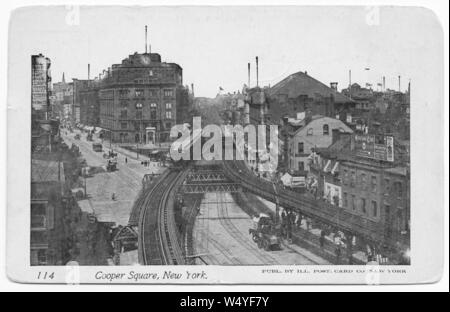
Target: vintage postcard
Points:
(225, 145)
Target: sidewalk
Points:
(310, 239)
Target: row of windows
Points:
(141, 126)
(350, 178)
(124, 105)
(139, 115)
(350, 201)
(325, 130)
(125, 93)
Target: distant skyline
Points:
(214, 44)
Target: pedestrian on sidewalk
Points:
(322, 238)
(338, 254)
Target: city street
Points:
(125, 182)
(221, 237)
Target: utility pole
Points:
(257, 72)
(249, 75)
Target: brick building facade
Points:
(137, 101)
(376, 190)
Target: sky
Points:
(214, 44)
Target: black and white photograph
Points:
(243, 138)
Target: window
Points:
(138, 113)
(123, 125)
(153, 92)
(38, 216)
(300, 147)
(310, 131)
(353, 179)
(168, 93)
(168, 125)
(168, 106)
(123, 93)
(169, 115)
(152, 105)
(387, 187)
(345, 200)
(345, 177)
(150, 72)
(139, 92)
(326, 130)
(373, 184)
(42, 256)
(124, 114)
(301, 166)
(363, 181)
(363, 206)
(153, 113)
(399, 189)
(374, 209)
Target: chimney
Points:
(350, 83)
(257, 73)
(89, 71)
(384, 84)
(192, 88)
(249, 75)
(399, 84)
(146, 39)
(333, 85)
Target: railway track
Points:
(158, 237)
(238, 235)
(232, 260)
(222, 249)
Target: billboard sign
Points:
(375, 147)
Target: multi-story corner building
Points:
(41, 85)
(368, 180)
(310, 133)
(137, 101)
(44, 128)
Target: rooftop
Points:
(301, 83)
(46, 171)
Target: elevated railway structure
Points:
(234, 175)
(158, 239)
(200, 181)
(324, 212)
